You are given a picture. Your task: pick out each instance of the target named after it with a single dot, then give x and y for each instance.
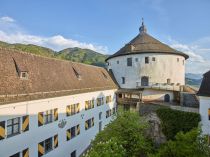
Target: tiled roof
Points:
(205, 85)
(144, 43)
(47, 77)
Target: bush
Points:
(173, 121)
(191, 144)
(128, 131)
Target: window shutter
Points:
(56, 141)
(55, 114)
(2, 130)
(68, 134)
(25, 123)
(92, 103)
(78, 108)
(86, 125)
(40, 119)
(41, 149)
(78, 130)
(68, 110)
(25, 153)
(209, 113)
(92, 121)
(86, 105)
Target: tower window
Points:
(129, 61)
(117, 62)
(136, 59)
(146, 60)
(183, 62)
(153, 59)
(177, 59)
(123, 80)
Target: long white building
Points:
(147, 69)
(204, 109)
(50, 107)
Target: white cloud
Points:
(199, 54)
(12, 33)
(7, 19)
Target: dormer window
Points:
(77, 74)
(24, 75)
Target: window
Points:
(118, 62)
(168, 81)
(73, 132)
(209, 113)
(100, 101)
(16, 155)
(48, 145)
(146, 60)
(13, 127)
(108, 113)
(136, 59)
(89, 104)
(48, 116)
(89, 123)
(23, 153)
(123, 80)
(100, 115)
(183, 62)
(73, 154)
(72, 109)
(108, 99)
(153, 59)
(129, 61)
(177, 59)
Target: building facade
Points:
(50, 107)
(204, 109)
(147, 69)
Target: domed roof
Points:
(144, 43)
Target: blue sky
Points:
(106, 25)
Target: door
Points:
(167, 98)
(144, 81)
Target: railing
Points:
(127, 100)
(154, 85)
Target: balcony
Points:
(128, 100)
(161, 86)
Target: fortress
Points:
(147, 70)
(51, 107)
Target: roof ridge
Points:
(50, 58)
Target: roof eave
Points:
(135, 52)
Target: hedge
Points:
(173, 121)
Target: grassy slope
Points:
(73, 54)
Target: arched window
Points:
(144, 81)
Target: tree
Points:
(127, 130)
(111, 148)
(190, 144)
